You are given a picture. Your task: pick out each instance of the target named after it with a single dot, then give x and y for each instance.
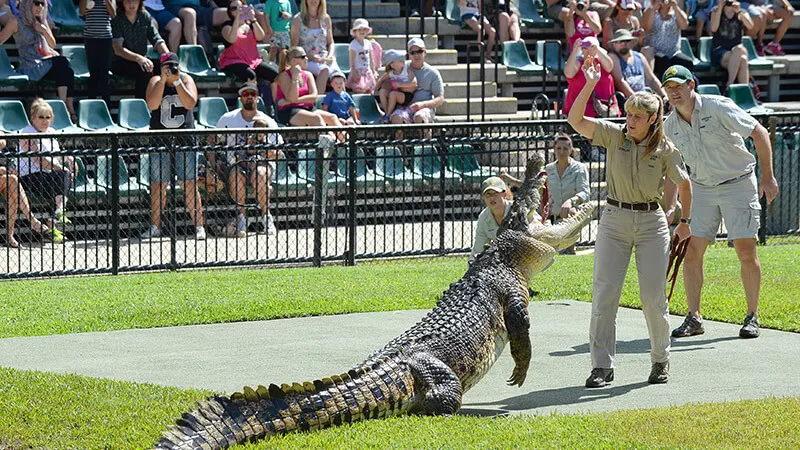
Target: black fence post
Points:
(172, 213)
(319, 206)
(442, 194)
(482, 52)
(115, 204)
(352, 173)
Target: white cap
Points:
(415, 42)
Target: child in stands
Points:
(339, 102)
(397, 85)
(363, 73)
(278, 15)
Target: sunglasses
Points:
(416, 52)
(249, 94)
(45, 117)
(39, 4)
(300, 56)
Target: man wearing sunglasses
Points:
(430, 89)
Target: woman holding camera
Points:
(663, 21)
(728, 23)
(242, 33)
(580, 22)
(603, 102)
(622, 18)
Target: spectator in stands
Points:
(622, 18)
(471, 15)
(37, 56)
(632, 72)
(363, 73)
(762, 13)
(295, 92)
(565, 11)
(12, 190)
(48, 176)
(248, 116)
(508, 23)
(171, 97)
(580, 23)
(97, 40)
(132, 30)
(728, 23)
(701, 16)
(664, 21)
(166, 21)
(312, 29)
(8, 21)
(430, 89)
(278, 15)
(603, 102)
(397, 85)
(339, 102)
(496, 197)
(240, 57)
(567, 183)
(194, 14)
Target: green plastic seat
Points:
(462, 160)
(85, 188)
(318, 103)
(426, 163)
(686, 49)
(193, 61)
(389, 164)
(365, 177)
(515, 57)
(152, 53)
(704, 48)
(753, 60)
(61, 120)
(260, 105)
(93, 115)
(76, 54)
(286, 180)
(128, 186)
(210, 109)
(708, 89)
(306, 166)
(65, 14)
(453, 14)
(134, 114)
(342, 55)
(530, 14)
(12, 116)
(367, 108)
(743, 96)
(555, 63)
(9, 76)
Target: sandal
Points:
(11, 242)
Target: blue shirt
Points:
(339, 103)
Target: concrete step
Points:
(519, 115)
(398, 41)
(396, 25)
(439, 58)
(458, 73)
(459, 90)
(494, 105)
(338, 10)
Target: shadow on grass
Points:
(570, 395)
(643, 346)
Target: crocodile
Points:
(425, 370)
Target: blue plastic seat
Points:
(389, 164)
(9, 76)
(61, 120)
(134, 114)
(76, 54)
(342, 54)
(704, 50)
(12, 116)
(555, 63)
(367, 108)
(453, 14)
(193, 61)
(93, 115)
(516, 57)
(427, 164)
(210, 109)
(699, 66)
(462, 160)
(65, 15)
(530, 14)
(128, 186)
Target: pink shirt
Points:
(604, 90)
(301, 91)
(243, 51)
(582, 30)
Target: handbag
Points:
(605, 108)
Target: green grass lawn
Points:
(50, 411)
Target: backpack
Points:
(377, 53)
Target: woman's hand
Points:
(683, 231)
(296, 71)
(145, 64)
(567, 209)
(591, 71)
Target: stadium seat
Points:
(516, 57)
(753, 60)
(65, 15)
(306, 167)
(704, 48)
(462, 160)
(365, 177)
(555, 63)
(12, 116)
(93, 115)
(699, 66)
(193, 61)
(742, 95)
(318, 103)
(61, 120)
(389, 164)
(85, 187)
(367, 108)
(453, 13)
(152, 53)
(210, 109)
(427, 164)
(9, 76)
(134, 114)
(76, 54)
(530, 14)
(342, 53)
(286, 180)
(708, 89)
(261, 106)
(128, 186)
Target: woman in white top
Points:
(312, 29)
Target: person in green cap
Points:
(641, 163)
(709, 131)
(496, 198)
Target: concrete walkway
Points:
(716, 366)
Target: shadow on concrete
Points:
(570, 395)
(643, 346)
(482, 412)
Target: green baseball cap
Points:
(677, 73)
(494, 184)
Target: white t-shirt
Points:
(234, 119)
(401, 77)
(363, 53)
(49, 144)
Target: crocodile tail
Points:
(528, 196)
(381, 390)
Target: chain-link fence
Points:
(107, 203)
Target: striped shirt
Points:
(98, 22)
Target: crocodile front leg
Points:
(517, 325)
(437, 382)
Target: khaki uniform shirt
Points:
(486, 231)
(631, 176)
(712, 144)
